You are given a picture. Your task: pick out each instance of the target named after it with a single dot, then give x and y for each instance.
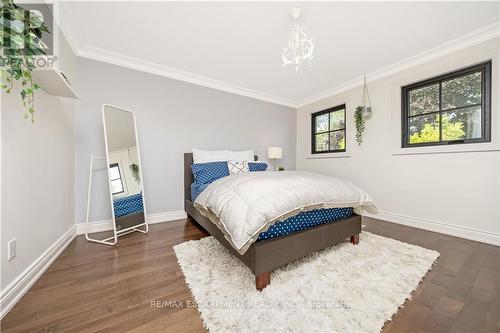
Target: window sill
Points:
(463, 148)
(328, 155)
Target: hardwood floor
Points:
(96, 288)
(462, 291)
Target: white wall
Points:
(172, 118)
(456, 193)
(37, 173)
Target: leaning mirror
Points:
(124, 171)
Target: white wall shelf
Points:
(53, 82)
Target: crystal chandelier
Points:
(300, 48)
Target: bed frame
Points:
(264, 256)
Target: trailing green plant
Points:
(21, 42)
(134, 168)
(360, 124)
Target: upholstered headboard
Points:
(188, 174)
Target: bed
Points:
(267, 253)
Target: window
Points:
(454, 108)
(115, 179)
(328, 130)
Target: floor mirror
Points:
(124, 171)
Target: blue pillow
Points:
(257, 166)
(196, 190)
(205, 173)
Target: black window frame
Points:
(314, 133)
(120, 178)
(485, 69)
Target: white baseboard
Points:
(166, 216)
(105, 225)
(441, 227)
(17, 288)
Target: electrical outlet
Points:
(12, 249)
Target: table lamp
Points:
(274, 153)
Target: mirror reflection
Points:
(124, 168)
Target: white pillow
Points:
(242, 155)
(237, 167)
(204, 156)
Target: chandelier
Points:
(300, 48)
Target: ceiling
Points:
(236, 46)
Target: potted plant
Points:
(134, 168)
(360, 124)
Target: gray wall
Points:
(37, 178)
(172, 118)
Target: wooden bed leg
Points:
(355, 239)
(262, 280)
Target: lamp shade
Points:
(274, 152)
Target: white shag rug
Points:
(345, 288)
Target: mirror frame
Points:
(128, 230)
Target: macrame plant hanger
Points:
(367, 109)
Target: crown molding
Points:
(99, 54)
(70, 33)
(86, 51)
(454, 45)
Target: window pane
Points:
(116, 186)
(337, 120)
(322, 142)
(322, 123)
(424, 100)
(114, 173)
(462, 124)
(462, 91)
(337, 140)
(424, 128)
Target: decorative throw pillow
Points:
(237, 167)
(257, 166)
(205, 173)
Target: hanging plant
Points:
(20, 39)
(362, 113)
(134, 168)
(360, 124)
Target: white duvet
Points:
(244, 205)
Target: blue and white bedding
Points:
(295, 223)
(244, 205)
(305, 220)
(206, 173)
(196, 190)
(128, 205)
